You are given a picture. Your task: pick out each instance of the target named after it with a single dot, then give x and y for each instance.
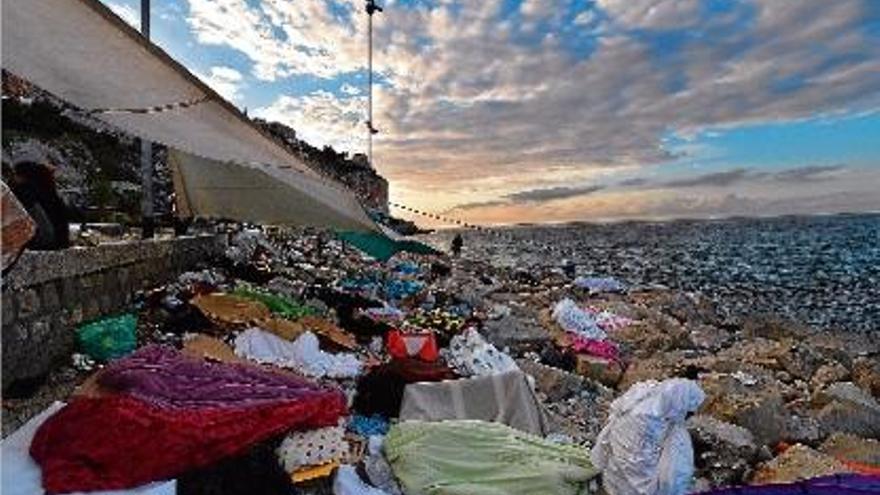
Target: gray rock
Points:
(724, 452)
(848, 409)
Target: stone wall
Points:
(47, 294)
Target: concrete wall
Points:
(47, 294)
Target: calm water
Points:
(821, 270)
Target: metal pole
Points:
(369, 87)
(147, 220)
(371, 9)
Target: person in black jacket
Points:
(34, 186)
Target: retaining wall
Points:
(48, 293)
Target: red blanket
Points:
(122, 441)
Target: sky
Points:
(507, 111)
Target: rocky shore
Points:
(784, 401)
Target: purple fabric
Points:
(163, 377)
(840, 484)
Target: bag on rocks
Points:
(645, 447)
(108, 338)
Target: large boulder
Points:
(754, 403)
(724, 452)
(828, 374)
(866, 374)
(850, 448)
(798, 462)
(844, 407)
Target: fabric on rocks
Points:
(376, 466)
(230, 310)
(165, 378)
(312, 448)
(645, 447)
(381, 390)
(597, 285)
(329, 331)
(471, 355)
(347, 482)
(367, 426)
(605, 349)
(21, 475)
(463, 457)
(575, 320)
(120, 441)
(108, 338)
(506, 398)
(422, 345)
(303, 355)
(207, 347)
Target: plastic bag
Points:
(645, 447)
(575, 320)
(108, 338)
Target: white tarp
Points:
(261, 194)
(82, 52)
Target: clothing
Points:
(367, 426)
(303, 355)
(311, 448)
(575, 320)
(838, 484)
(464, 457)
(21, 474)
(605, 349)
(165, 378)
(381, 390)
(471, 355)
(596, 285)
(420, 345)
(505, 398)
(347, 482)
(120, 441)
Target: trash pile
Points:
(298, 364)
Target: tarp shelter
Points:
(383, 247)
(83, 53)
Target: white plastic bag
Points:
(645, 447)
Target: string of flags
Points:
(156, 109)
(479, 228)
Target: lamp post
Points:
(371, 8)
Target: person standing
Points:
(457, 243)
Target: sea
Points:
(823, 271)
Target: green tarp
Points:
(382, 247)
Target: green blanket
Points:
(382, 247)
(278, 305)
(466, 457)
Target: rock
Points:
(723, 452)
(847, 408)
(605, 371)
(658, 367)
(803, 429)
(708, 337)
(758, 407)
(866, 374)
(797, 463)
(770, 327)
(827, 374)
(850, 448)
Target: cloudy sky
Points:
(500, 111)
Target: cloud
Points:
(475, 205)
(552, 193)
(348, 89)
(715, 179)
(470, 94)
(321, 118)
(126, 12)
(224, 80)
(812, 173)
